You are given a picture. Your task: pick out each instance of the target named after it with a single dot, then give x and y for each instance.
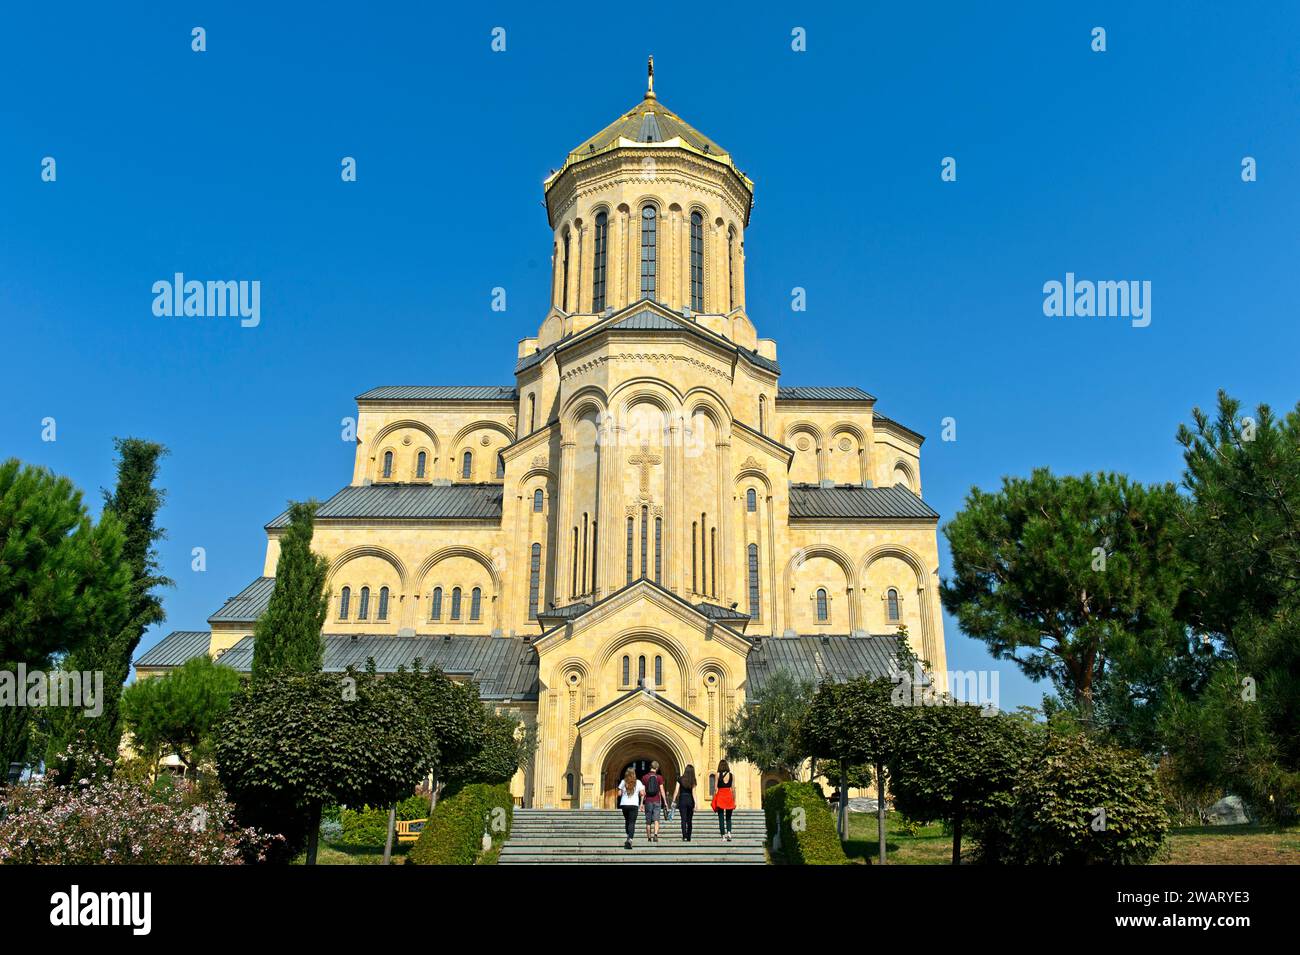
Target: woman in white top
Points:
(630, 793)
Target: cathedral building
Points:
(627, 541)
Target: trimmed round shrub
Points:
(807, 828)
(454, 833)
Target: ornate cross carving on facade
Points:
(645, 460)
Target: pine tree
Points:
(287, 637)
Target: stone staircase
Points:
(595, 837)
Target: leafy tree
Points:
(766, 730)
(957, 763)
(135, 502)
(855, 724)
(179, 712)
(1063, 575)
(1080, 801)
(62, 579)
(457, 717)
(287, 637)
(1244, 539)
(498, 757)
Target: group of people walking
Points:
(649, 793)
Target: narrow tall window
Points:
(629, 550)
(564, 298)
(467, 465)
(762, 414)
(388, 464)
(585, 539)
(659, 543)
(713, 558)
(822, 609)
(534, 580)
(659, 671)
(595, 560)
(532, 413)
(345, 600)
(695, 560)
(573, 584)
(627, 670)
(383, 604)
(640, 671)
(420, 460)
(754, 599)
(649, 251)
(435, 608)
(697, 262)
(751, 500)
(731, 268)
(501, 466)
(645, 538)
(476, 603)
(601, 251)
(891, 599)
(537, 501)
(363, 611)
(455, 603)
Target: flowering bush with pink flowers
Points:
(97, 820)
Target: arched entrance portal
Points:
(637, 752)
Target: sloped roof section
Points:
(819, 659)
(878, 418)
(395, 501)
(821, 393)
(247, 605)
(505, 668)
(440, 393)
(649, 121)
(175, 648)
(852, 502)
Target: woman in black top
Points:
(724, 800)
(684, 799)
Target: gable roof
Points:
(575, 610)
(818, 659)
(821, 393)
(247, 605)
(854, 502)
(440, 393)
(175, 648)
(398, 501)
(650, 695)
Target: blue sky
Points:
(1117, 165)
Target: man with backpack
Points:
(654, 801)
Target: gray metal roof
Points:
(646, 320)
(850, 501)
(175, 648)
(818, 659)
(878, 418)
(718, 612)
(448, 502)
(440, 393)
(247, 605)
(505, 668)
(536, 358)
(821, 393)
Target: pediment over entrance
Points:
(642, 703)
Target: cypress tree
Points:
(287, 637)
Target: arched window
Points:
(568, 785)
(754, 601)
(649, 251)
(751, 500)
(713, 783)
(713, 558)
(573, 588)
(501, 466)
(601, 254)
(629, 550)
(645, 538)
(762, 414)
(697, 262)
(822, 609)
(537, 500)
(640, 670)
(435, 606)
(594, 551)
(659, 543)
(695, 559)
(585, 540)
(388, 464)
(534, 579)
(627, 670)
(363, 611)
(383, 604)
(475, 603)
(455, 603)
(467, 465)
(419, 464)
(891, 601)
(345, 600)
(564, 267)
(532, 413)
(731, 269)
(659, 671)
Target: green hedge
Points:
(454, 833)
(815, 842)
(368, 826)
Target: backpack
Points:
(652, 785)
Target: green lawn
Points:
(332, 853)
(1195, 845)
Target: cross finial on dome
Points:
(650, 78)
